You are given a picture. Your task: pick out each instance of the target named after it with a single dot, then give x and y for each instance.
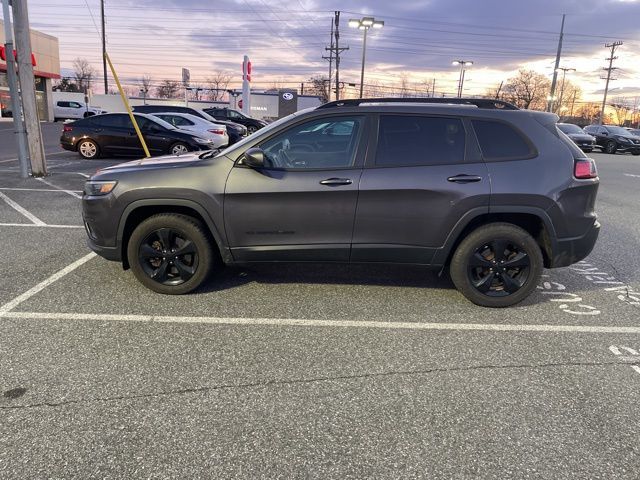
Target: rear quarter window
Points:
(500, 141)
(412, 140)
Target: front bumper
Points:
(568, 251)
(110, 253)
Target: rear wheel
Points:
(88, 149)
(178, 148)
(497, 265)
(252, 129)
(170, 253)
(611, 147)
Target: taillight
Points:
(217, 132)
(67, 128)
(585, 168)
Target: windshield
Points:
(262, 132)
(162, 123)
(207, 116)
(570, 128)
(618, 131)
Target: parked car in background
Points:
(224, 113)
(634, 131)
(65, 110)
(236, 131)
(217, 133)
(612, 139)
(578, 135)
(383, 180)
(114, 134)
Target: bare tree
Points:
(145, 85)
(84, 73)
(218, 85)
(621, 109)
(319, 86)
(168, 89)
(527, 89)
(405, 89)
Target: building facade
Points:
(46, 59)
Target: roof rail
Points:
(488, 103)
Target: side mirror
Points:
(606, 134)
(254, 158)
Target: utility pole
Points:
(499, 90)
(609, 69)
(28, 89)
(433, 88)
(555, 69)
(337, 51)
(14, 90)
(564, 74)
(104, 50)
(330, 58)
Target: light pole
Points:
(364, 24)
(463, 64)
(564, 74)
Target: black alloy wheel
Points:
(171, 253)
(168, 257)
(497, 265)
(499, 268)
(611, 147)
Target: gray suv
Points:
(490, 192)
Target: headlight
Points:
(96, 188)
(202, 141)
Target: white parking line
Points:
(19, 209)
(631, 175)
(7, 307)
(38, 226)
(291, 322)
(68, 192)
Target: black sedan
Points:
(236, 131)
(113, 134)
(581, 138)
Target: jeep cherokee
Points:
(490, 192)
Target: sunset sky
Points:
(286, 39)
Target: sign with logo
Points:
(186, 76)
(3, 55)
(287, 102)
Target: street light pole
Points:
(364, 51)
(364, 24)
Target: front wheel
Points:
(170, 253)
(252, 129)
(611, 147)
(497, 265)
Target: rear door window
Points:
(500, 141)
(411, 140)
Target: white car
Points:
(64, 110)
(198, 126)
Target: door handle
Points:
(336, 181)
(464, 178)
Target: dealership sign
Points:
(3, 55)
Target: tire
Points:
(635, 154)
(477, 271)
(175, 274)
(611, 147)
(88, 149)
(178, 148)
(252, 129)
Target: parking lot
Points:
(308, 371)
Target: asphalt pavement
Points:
(309, 371)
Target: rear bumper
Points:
(572, 250)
